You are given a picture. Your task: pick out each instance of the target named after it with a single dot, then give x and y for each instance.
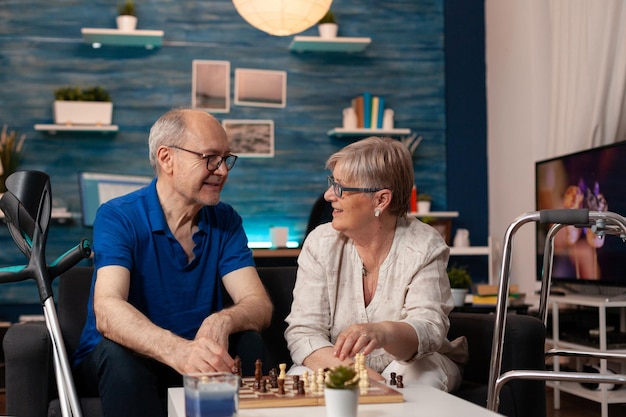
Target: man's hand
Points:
(202, 355)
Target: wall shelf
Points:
(436, 214)
(53, 129)
(338, 44)
(340, 132)
(149, 39)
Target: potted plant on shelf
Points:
(460, 283)
(341, 391)
(327, 25)
(88, 106)
(127, 18)
(424, 202)
(10, 154)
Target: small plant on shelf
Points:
(459, 277)
(10, 154)
(342, 377)
(424, 197)
(85, 94)
(127, 8)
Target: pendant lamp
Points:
(282, 17)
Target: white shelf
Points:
(338, 44)
(147, 38)
(436, 214)
(53, 129)
(470, 250)
(612, 397)
(340, 132)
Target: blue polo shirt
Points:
(177, 295)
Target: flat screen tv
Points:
(593, 179)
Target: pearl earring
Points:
(377, 213)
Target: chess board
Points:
(378, 392)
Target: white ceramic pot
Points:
(423, 206)
(458, 295)
(126, 23)
(328, 30)
(83, 112)
(341, 402)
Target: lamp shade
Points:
(282, 17)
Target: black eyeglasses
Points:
(213, 162)
(339, 189)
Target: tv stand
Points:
(602, 303)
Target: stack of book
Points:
(369, 111)
(487, 295)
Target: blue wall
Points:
(42, 49)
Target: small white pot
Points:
(328, 30)
(458, 295)
(126, 23)
(423, 206)
(341, 402)
(83, 112)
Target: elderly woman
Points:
(373, 280)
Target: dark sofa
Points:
(31, 388)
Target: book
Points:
(492, 300)
(381, 112)
(374, 115)
(490, 289)
(357, 103)
(367, 110)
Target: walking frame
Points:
(27, 209)
(602, 224)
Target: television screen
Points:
(593, 179)
(97, 188)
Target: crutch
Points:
(601, 223)
(27, 207)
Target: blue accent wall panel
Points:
(41, 49)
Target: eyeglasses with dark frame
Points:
(338, 189)
(213, 162)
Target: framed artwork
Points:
(250, 138)
(210, 86)
(260, 88)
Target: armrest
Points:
(29, 369)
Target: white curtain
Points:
(588, 74)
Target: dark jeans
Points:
(132, 385)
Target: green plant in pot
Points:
(127, 8)
(327, 25)
(341, 391)
(460, 283)
(10, 154)
(82, 106)
(127, 18)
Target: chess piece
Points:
(399, 383)
(237, 366)
(305, 378)
(300, 389)
(392, 380)
(258, 371)
(283, 371)
(281, 386)
(296, 380)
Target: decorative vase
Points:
(126, 23)
(458, 295)
(341, 402)
(328, 30)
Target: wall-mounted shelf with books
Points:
(149, 39)
(340, 132)
(53, 129)
(338, 44)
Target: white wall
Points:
(517, 54)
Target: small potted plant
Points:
(327, 25)
(341, 391)
(10, 154)
(82, 106)
(127, 17)
(423, 202)
(460, 283)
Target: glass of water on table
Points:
(213, 394)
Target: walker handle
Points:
(574, 217)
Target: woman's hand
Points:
(357, 338)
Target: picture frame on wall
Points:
(210, 86)
(260, 88)
(250, 138)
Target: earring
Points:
(377, 213)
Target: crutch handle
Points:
(70, 258)
(574, 217)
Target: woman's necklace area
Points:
(370, 280)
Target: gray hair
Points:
(170, 129)
(377, 162)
